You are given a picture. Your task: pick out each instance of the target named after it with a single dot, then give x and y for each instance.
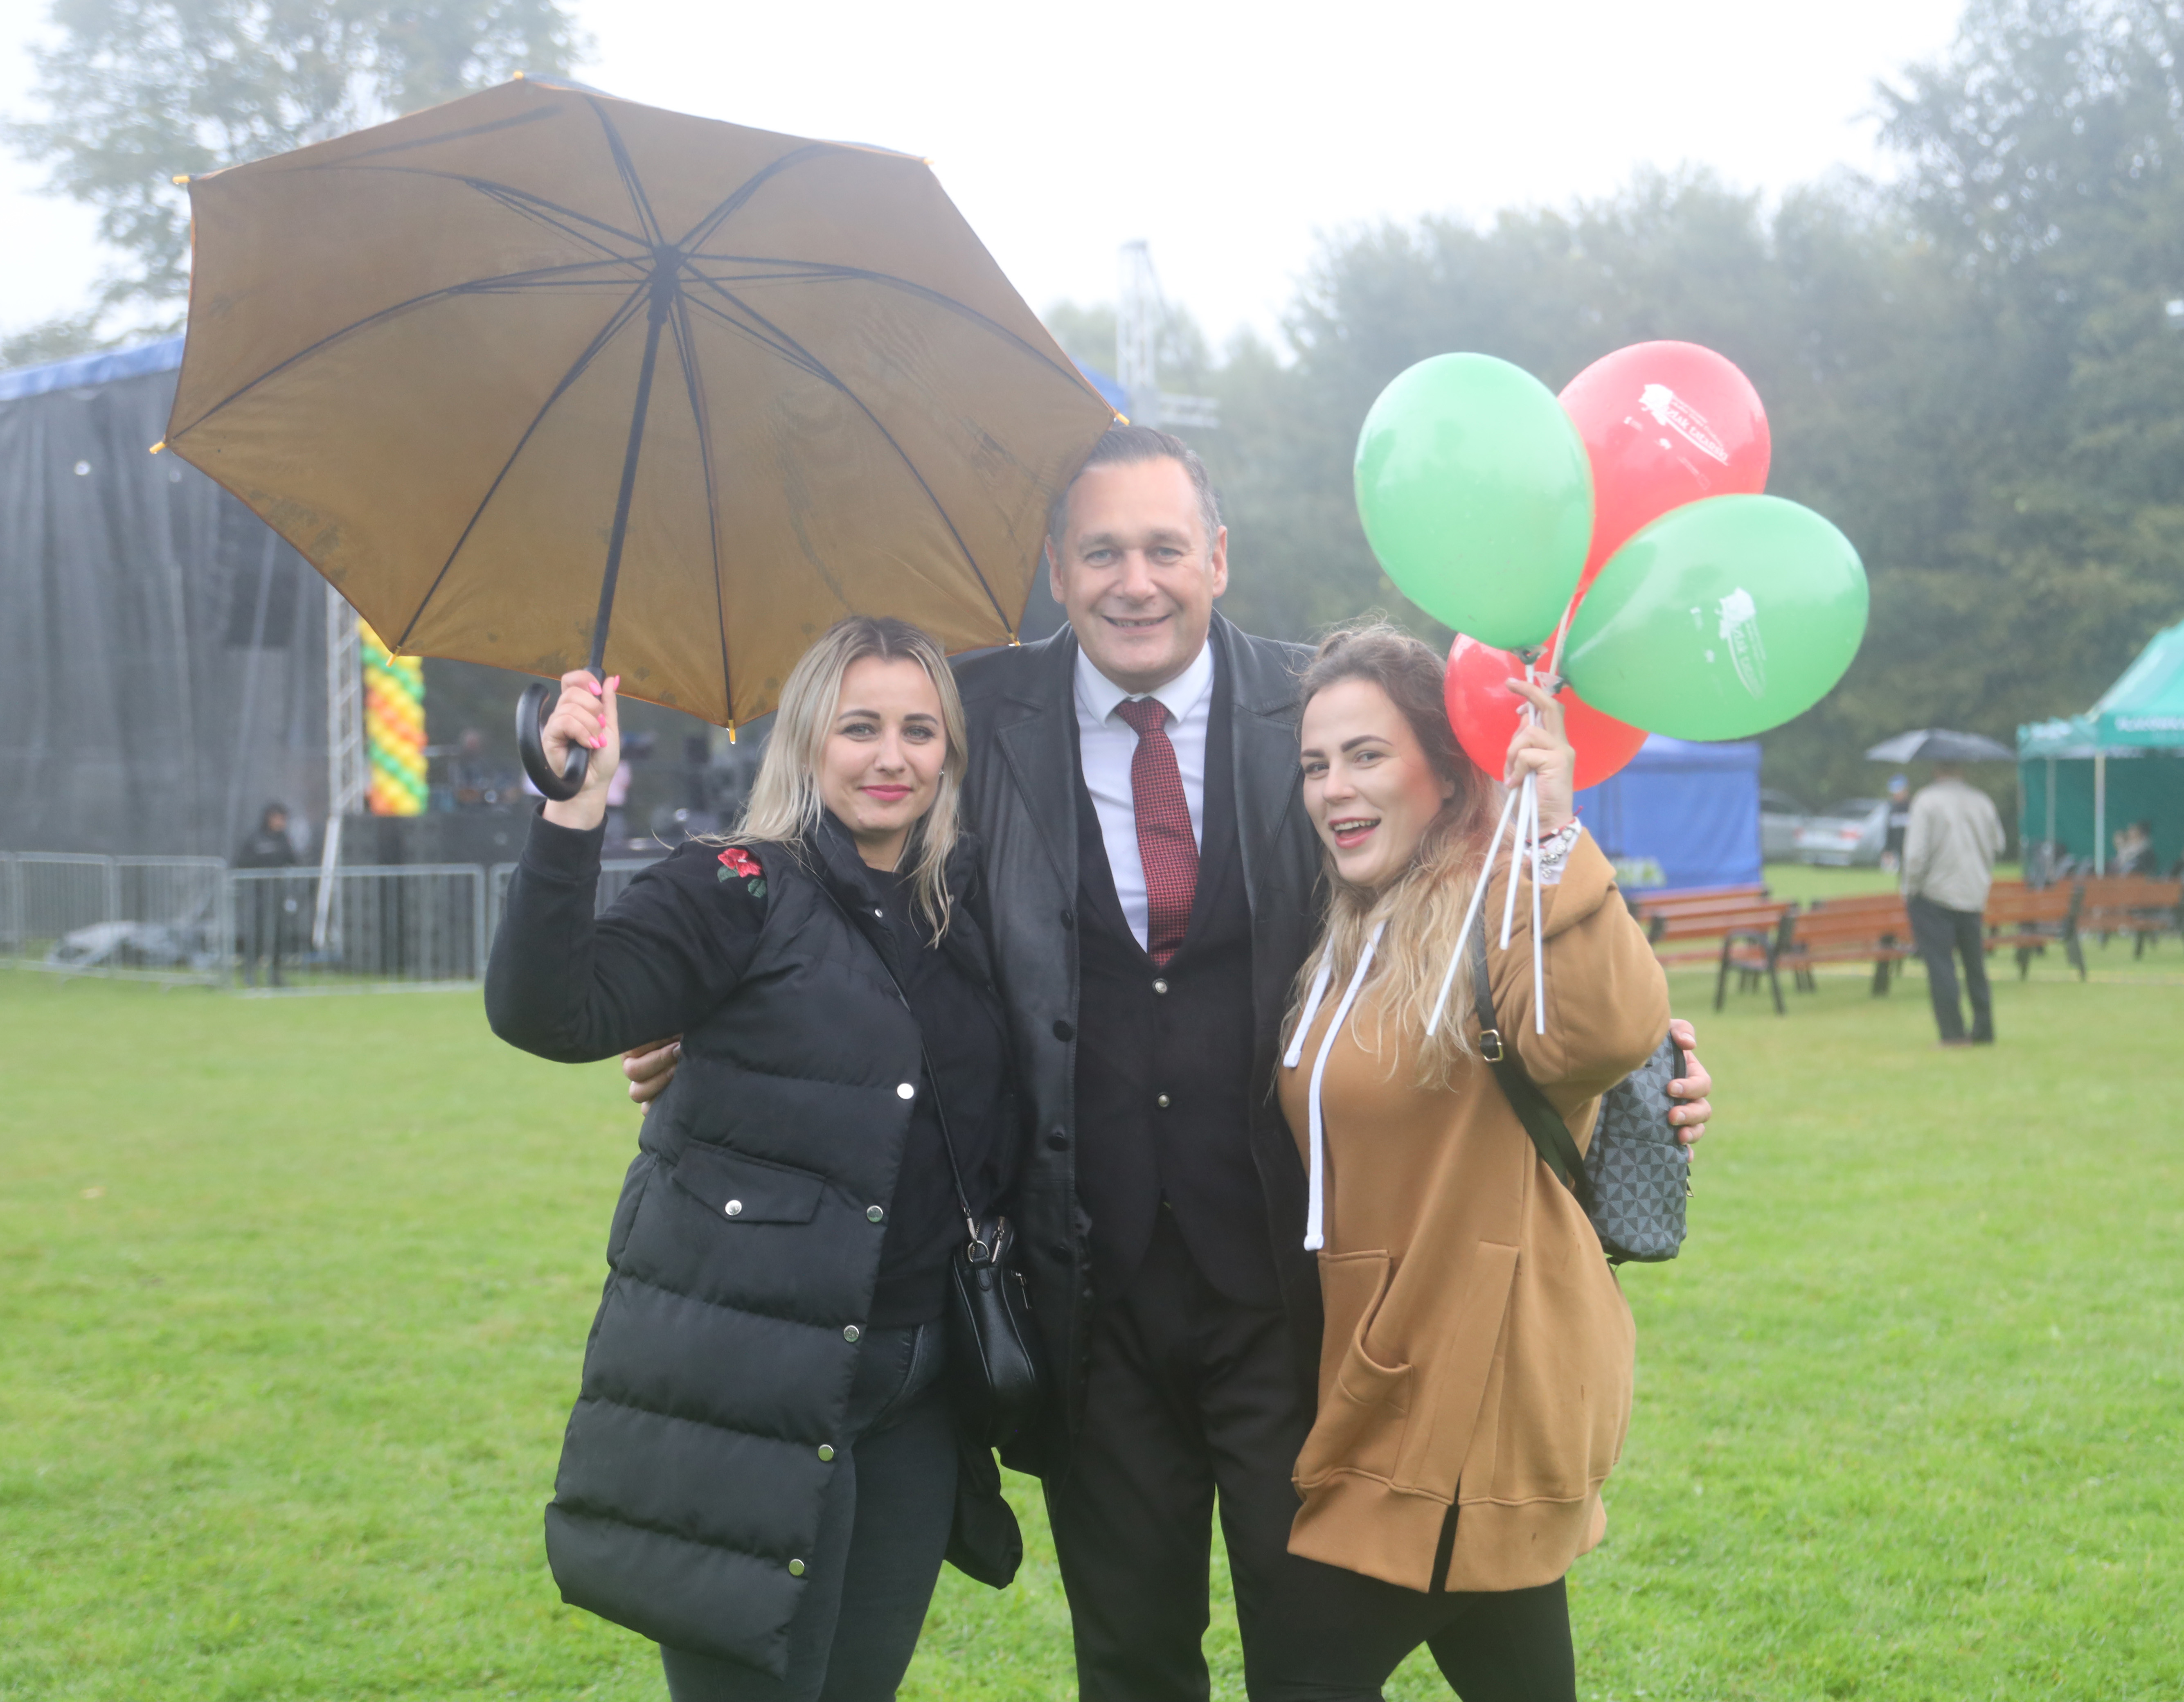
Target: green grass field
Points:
(292, 1296)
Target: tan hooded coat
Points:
(1478, 1347)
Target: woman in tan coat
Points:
(1475, 1375)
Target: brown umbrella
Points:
(541, 378)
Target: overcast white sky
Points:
(1227, 134)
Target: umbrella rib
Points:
(940, 508)
(793, 356)
(685, 351)
(630, 180)
(820, 269)
(620, 317)
(518, 200)
(472, 286)
(750, 186)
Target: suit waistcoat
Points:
(1164, 1061)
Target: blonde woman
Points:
(761, 1471)
(1475, 1371)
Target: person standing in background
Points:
(1948, 862)
(264, 916)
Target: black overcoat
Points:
(1020, 799)
(742, 1257)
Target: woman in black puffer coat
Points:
(762, 1472)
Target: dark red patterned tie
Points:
(1165, 843)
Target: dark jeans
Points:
(1943, 935)
(1193, 1397)
(881, 1538)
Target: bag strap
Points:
(1541, 1122)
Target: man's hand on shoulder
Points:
(650, 1067)
(1691, 1088)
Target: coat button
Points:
(1062, 1030)
(1159, 986)
(734, 1208)
(826, 1452)
(1161, 1102)
(1069, 919)
(903, 1090)
(850, 1332)
(796, 1569)
(878, 912)
(1059, 1140)
(875, 1213)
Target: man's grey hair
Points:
(1122, 445)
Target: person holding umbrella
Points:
(761, 1471)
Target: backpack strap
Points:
(1549, 1132)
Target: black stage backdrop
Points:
(163, 651)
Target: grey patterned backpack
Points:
(1635, 1178)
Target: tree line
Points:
(1976, 369)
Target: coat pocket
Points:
(742, 1189)
(1566, 1385)
(1365, 1403)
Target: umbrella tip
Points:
(732, 730)
(158, 446)
(182, 181)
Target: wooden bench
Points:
(1667, 900)
(2134, 905)
(2023, 919)
(1700, 935)
(1879, 933)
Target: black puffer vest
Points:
(744, 1254)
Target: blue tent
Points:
(1681, 814)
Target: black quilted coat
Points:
(718, 1370)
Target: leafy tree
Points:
(137, 91)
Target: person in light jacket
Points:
(1948, 864)
(1475, 1374)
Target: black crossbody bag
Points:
(1635, 1179)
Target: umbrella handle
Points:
(531, 712)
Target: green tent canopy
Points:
(2071, 795)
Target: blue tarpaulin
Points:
(1681, 814)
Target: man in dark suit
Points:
(1151, 878)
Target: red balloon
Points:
(1663, 424)
(1484, 713)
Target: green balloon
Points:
(1477, 496)
(1720, 620)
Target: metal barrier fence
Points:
(616, 873)
(154, 918)
(386, 929)
(194, 921)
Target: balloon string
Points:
(1470, 915)
(1527, 812)
(1539, 960)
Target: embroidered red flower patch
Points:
(736, 862)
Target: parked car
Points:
(1780, 816)
(1853, 832)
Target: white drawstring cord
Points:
(1294, 1055)
(1316, 1205)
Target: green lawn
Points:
(292, 1296)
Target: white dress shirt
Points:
(1106, 744)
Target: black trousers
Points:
(882, 1536)
(1941, 936)
(1192, 1400)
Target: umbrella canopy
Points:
(540, 378)
(1939, 744)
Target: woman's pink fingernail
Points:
(615, 684)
